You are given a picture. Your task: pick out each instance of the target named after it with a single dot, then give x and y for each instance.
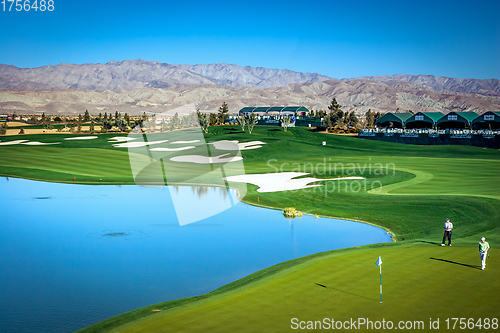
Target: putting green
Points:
(419, 188)
(420, 281)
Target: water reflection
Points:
(92, 252)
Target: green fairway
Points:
(420, 281)
(409, 190)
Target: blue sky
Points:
(335, 38)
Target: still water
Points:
(73, 255)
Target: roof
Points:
(273, 109)
(394, 117)
(490, 116)
(463, 117)
(431, 117)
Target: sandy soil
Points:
(172, 149)
(235, 145)
(274, 182)
(199, 159)
(28, 130)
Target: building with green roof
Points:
(488, 120)
(423, 120)
(267, 110)
(393, 120)
(458, 120)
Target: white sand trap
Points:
(36, 143)
(137, 144)
(199, 159)
(172, 149)
(82, 138)
(15, 142)
(234, 145)
(182, 142)
(121, 139)
(274, 182)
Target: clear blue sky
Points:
(335, 38)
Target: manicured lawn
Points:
(409, 190)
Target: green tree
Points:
(100, 117)
(377, 116)
(48, 124)
(80, 118)
(203, 119)
(213, 119)
(352, 119)
(105, 115)
(334, 106)
(223, 110)
(3, 128)
(251, 122)
(285, 121)
(241, 122)
(117, 115)
(370, 119)
(121, 124)
(175, 121)
(43, 118)
(106, 125)
(127, 119)
(86, 117)
(92, 127)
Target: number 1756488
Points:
(27, 5)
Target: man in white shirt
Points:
(483, 252)
(448, 227)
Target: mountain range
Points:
(131, 74)
(136, 86)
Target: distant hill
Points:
(132, 74)
(489, 87)
(355, 95)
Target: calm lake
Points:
(73, 255)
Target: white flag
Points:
(379, 261)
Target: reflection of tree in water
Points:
(292, 237)
(202, 191)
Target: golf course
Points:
(408, 190)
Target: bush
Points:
(291, 212)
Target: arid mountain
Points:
(484, 87)
(357, 95)
(132, 74)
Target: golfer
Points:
(483, 252)
(448, 227)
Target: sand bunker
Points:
(137, 144)
(15, 142)
(181, 142)
(172, 149)
(82, 138)
(274, 182)
(121, 139)
(199, 159)
(36, 143)
(234, 145)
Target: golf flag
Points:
(379, 264)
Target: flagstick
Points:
(380, 266)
